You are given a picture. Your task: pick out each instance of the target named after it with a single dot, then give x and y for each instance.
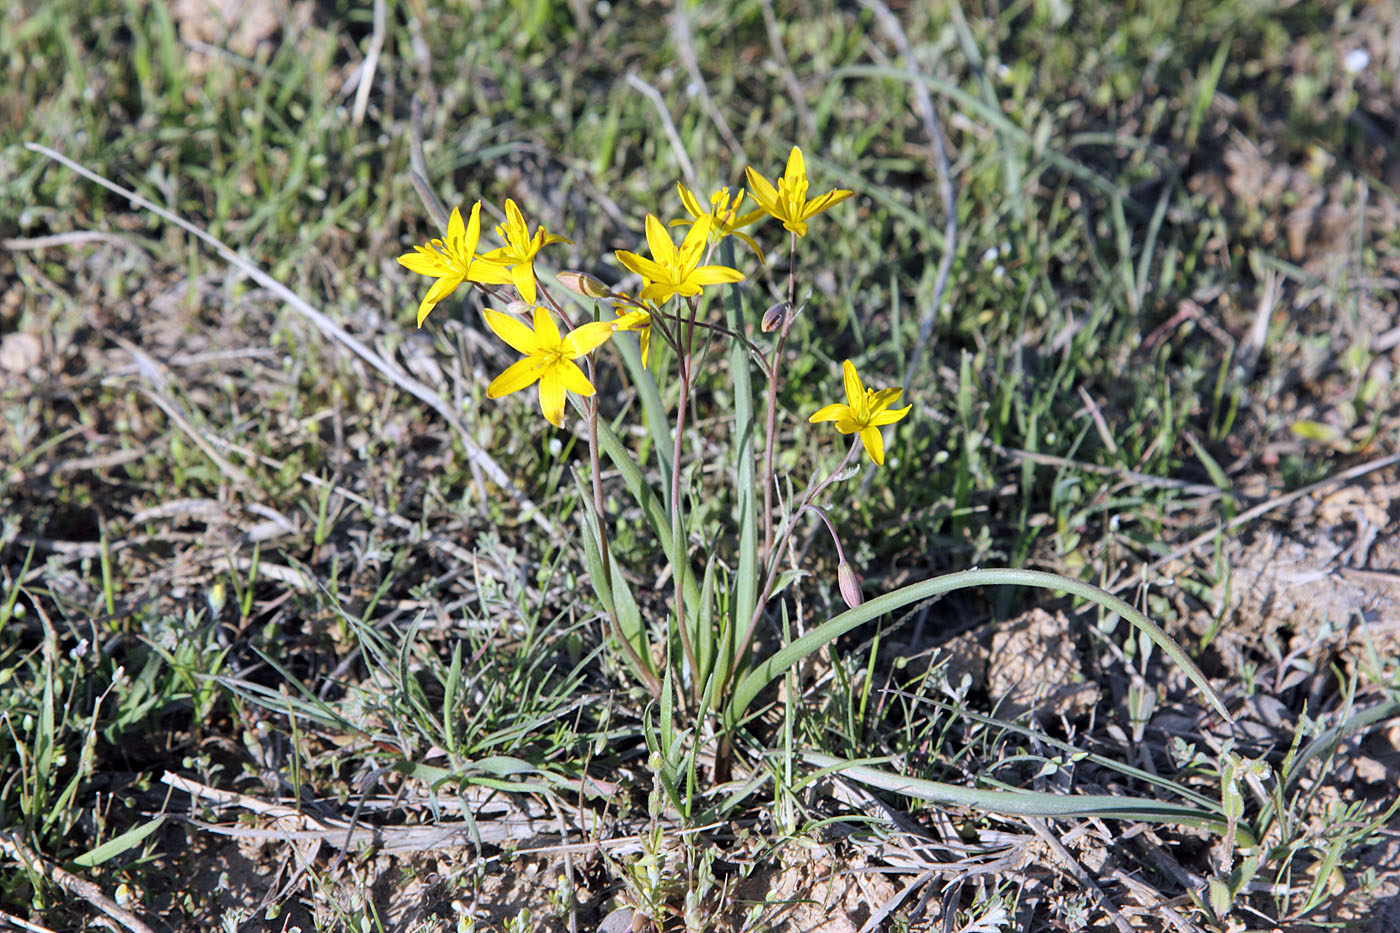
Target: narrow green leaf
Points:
(746, 575)
(1023, 803)
(764, 672)
(645, 496)
(118, 845)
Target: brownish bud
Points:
(581, 283)
(776, 316)
(850, 585)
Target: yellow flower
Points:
(788, 202)
(725, 219)
(639, 321)
(866, 410)
(518, 255)
(452, 261)
(673, 271)
(549, 359)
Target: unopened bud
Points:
(850, 585)
(776, 316)
(581, 283)
(519, 308)
(217, 596)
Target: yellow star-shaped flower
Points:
(866, 411)
(673, 271)
(788, 202)
(518, 255)
(452, 261)
(725, 219)
(549, 358)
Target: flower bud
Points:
(581, 283)
(850, 585)
(776, 316)
(519, 308)
(217, 597)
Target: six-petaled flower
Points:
(549, 359)
(673, 271)
(725, 219)
(866, 411)
(452, 261)
(788, 201)
(518, 255)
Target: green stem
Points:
(680, 546)
(604, 553)
(770, 578)
(770, 441)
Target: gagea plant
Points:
(719, 644)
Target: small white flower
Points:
(1356, 61)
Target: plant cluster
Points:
(704, 662)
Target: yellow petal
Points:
(456, 231)
(752, 244)
(659, 242)
(645, 339)
(546, 331)
(472, 234)
(513, 332)
(747, 219)
(516, 233)
(552, 396)
(694, 243)
(796, 170)
(586, 338)
(425, 308)
(714, 275)
(690, 202)
(762, 192)
(633, 320)
(440, 290)
(523, 277)
(658, 292)
(425, 261)
(488, 273)
(855, 392)
(890, 416)
(573, 378)
(516, 377)
(640, 264)
(830, 199)
(874, 444)
(830, 413)
(883, 399)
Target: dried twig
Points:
(684, 41)
(667, 124)
(22, 923)
(418, 166)
(794, 86)
(1253, 344)
(71, 883)
(1079, 873)
(73, 238)
(376, 45)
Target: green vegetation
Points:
(300, 629)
